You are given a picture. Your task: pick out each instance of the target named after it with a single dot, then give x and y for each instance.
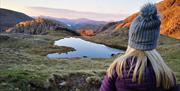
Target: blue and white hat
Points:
(145, 29)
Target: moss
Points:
(43, 51)
(21, 80)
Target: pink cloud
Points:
(64, 13)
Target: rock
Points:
(112, 54)
(93, 80)
(3, 37)
(4, 84)
(84, 56)
(86, 32)
(63, 83)
(77, 89)
(16, 89)
(47, 84)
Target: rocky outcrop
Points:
(9, 18)
(88, 29)
(170, 10)
(85, 32)
(170, 18)
(38, 26)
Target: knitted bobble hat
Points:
(145, 29)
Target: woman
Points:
(141, 68)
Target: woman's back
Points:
(115, 83)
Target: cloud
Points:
(71, 14)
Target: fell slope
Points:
(9, 18)
(170, 18)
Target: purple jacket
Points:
(115, 83)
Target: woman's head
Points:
(145, 29)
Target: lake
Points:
(84, 49)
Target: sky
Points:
(114, 7)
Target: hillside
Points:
(170, 18)
(107, 28)
(39, 26)
(9, 18)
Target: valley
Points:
(25, 43)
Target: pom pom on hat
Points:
(148, 10)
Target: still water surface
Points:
(84, 49)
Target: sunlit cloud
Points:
(71, 14)
(102, 9)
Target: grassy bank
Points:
(25, 67)
(169, 48)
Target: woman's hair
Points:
(163, 74)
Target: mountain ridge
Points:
(73, 23)
(40, 26)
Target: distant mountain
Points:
(9, 18)
(89, 24)
(83, 26)
(39, 26)
(82, 23)
(71, 14)
(170, 18)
